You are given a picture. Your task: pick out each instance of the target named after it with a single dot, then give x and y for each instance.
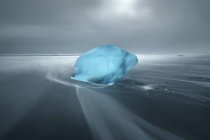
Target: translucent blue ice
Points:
(105, 64)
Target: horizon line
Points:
(78, 54)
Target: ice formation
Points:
(105, 64)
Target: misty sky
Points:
(74, 26)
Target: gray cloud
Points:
(74, 26)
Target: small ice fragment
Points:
(105, 64)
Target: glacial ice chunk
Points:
(105, 64)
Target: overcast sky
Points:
(74, 26)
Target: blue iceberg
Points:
(105, 64)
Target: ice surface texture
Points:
(105, 64)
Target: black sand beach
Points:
(162, 98)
